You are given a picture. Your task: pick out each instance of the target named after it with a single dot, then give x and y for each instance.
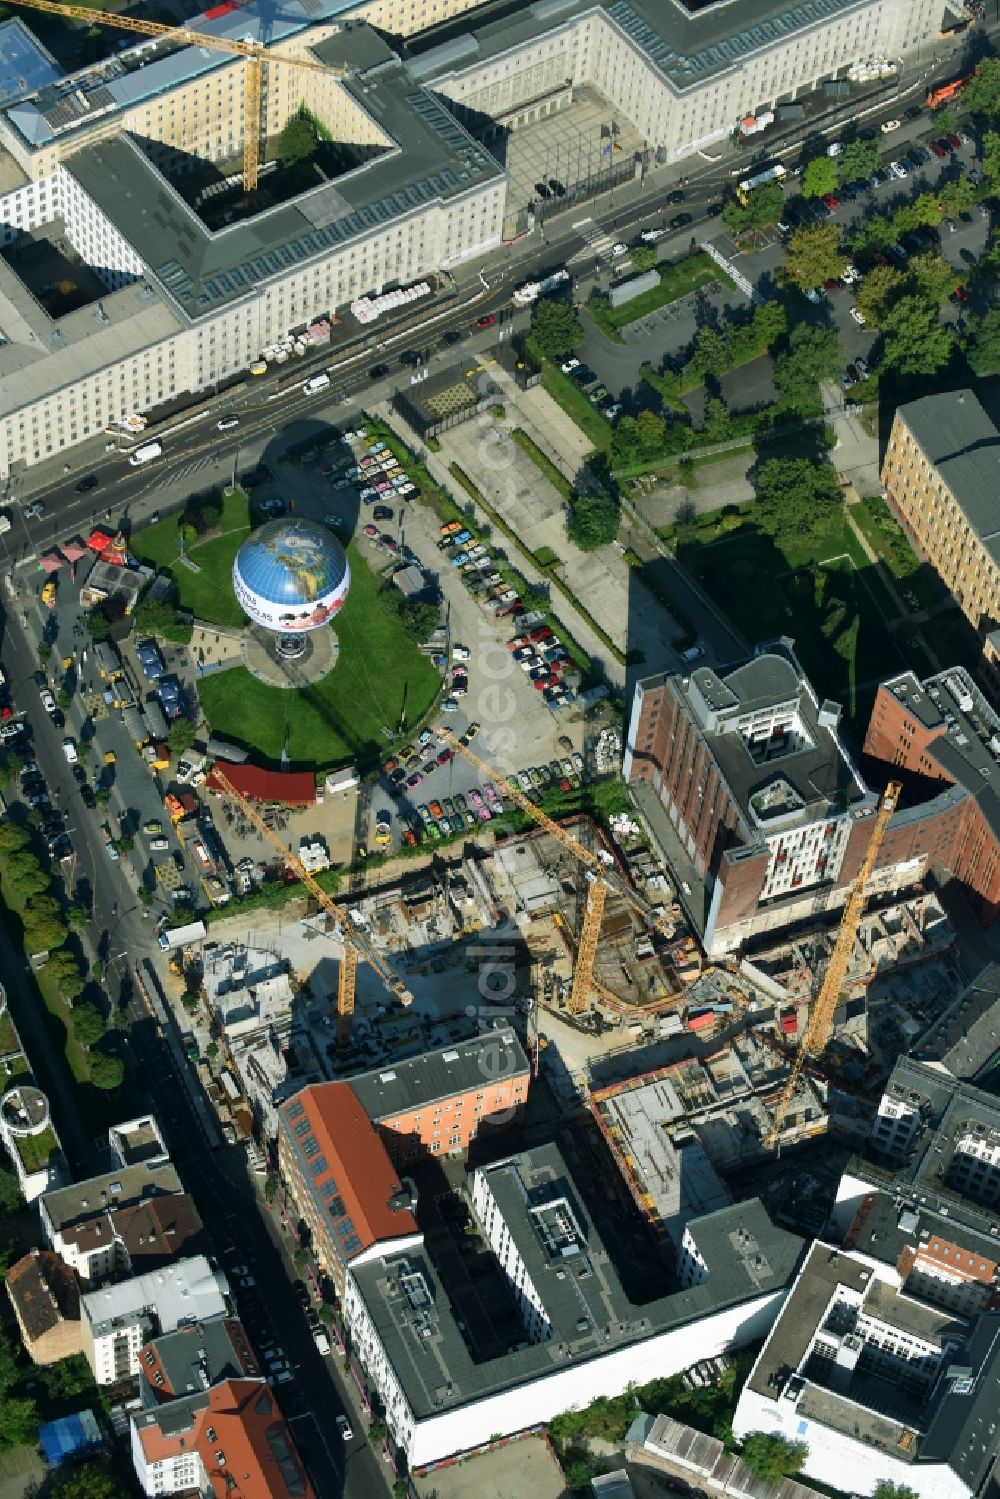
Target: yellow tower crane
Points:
(254, 55)
(819, 1026)
(601, 879)
(354, 943)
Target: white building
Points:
(582, 1336)
(78, 1220)
(118, 1319)
(879, 1385)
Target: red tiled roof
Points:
(43, 1291)
(293, 787)
(356, 1157)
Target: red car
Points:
(833, 285)
(831, 201)
(486, 321)
(541, 633)
(959, 294)
(953, 141)
(938, 149)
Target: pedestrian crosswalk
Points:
(600, 243)
(161, 477)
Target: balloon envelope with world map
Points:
(291, 576)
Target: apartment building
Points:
(123, 1224)
(340, 1179)
(230, 1439)
(580, 1336)
(746, 786)
(119, 1319)
(879, 1385)
(46, 1302)
(939, 474)
(438, 1103)
(943, 737)
(194, 1357)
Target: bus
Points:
(945, 93)
(767, 174)
(530, 292)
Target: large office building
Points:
(580, 1335)
(939, 473)
(188, 288)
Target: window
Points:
(318, 1166)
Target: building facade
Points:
(438, 1103)
(943, 734)
(92, 1224)
(119, 1319)
(939, 474)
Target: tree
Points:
(710, 355)
(857, 160)
(154, 616)
(326, 1314)
(796, 491)
(270, 1187)
(991, 160)
(42, 932)
(297, 142)
(957, 196)
(885, 1489)
(13, 836)
(18, 1422)
(813, 354)
(107, 1071)
(180, 736)
(212, 1050)
(555, 328)
(983, 350)
(88, 1024)
(814, 255)
(916, 342)
(772, 1457)
(592, 520)
(763, 206)
(981, 95)
(11, 1201)
(419, 618)
(643, 258)
(882, 287)
(89, 1481)
(820, 177)
(932, 276)
(98, 625)
(24, 875)
(650, 430)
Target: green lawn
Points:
(814, 585)
(35, 1150)
(571, 398)
(677, 279)
(208, 593)
(379, 675)
(917, 581)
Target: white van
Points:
(318, 382)
(145, 454)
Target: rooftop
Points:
(187, 1290)
(43, 1292)
(776, 747)
(115, 1189)
(687, 44)
(965, 731)
(966, 1037)
(201, 271)
(460, 1068)
(350, 1176)
(25, 65)
(194, 1358)
(960, 440)
(412, 1314)
(137, 1140)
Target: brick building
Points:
(939, 474)
(439, 1102)
(945, 737)
(46, 1302)
(744, 783)
(340, 1178)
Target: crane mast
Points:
(819, 1026)
(354, 941)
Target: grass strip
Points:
(543, 463)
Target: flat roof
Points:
(25, 65)
(965, 729)
(187, 1290)
(433, 159)
(687, 46)
(196, 1356)
(458, 1068)
(411, 1312)
(962, 443)
(966, 1037)
(114, 1189)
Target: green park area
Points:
(380, 674)
(789, 564)
(677, 279)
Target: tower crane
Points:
(254, 55)
(819, 1026)
(353, 944)
(600, 879)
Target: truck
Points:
(155, 721)
(945, 93)
(321, 1340)
(532, 290)
(145, 453)
(317, 383)
(136, 726)
(182, 936)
